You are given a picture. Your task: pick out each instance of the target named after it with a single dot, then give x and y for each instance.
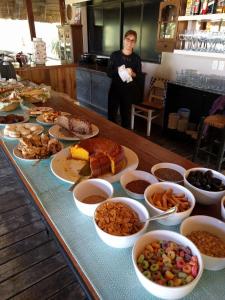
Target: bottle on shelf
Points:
(203, 7)
(196, 7)
(212, 4)
(220, 8)
(189, 6)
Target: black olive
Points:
(216, 181)
(208, 174)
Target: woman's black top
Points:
(118, 59)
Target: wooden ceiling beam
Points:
(30, 17)
(62, 11)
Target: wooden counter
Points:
(148, 153)
(62, 77)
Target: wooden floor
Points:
(31, 264)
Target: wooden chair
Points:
(151, 107)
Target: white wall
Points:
(171, 63)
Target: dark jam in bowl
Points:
(168, 174)
(137, 186)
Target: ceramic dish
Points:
(158, 290)
(174, 167)
(136, 175)
(203, 196)
(68, 169)
(211, 225)
(57, 132)
(22, 130)
(25, 116)
(126, 240)
(177, 217)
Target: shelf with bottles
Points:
(208, 17)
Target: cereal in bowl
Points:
(168, 263)
(117, 218)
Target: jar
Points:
(173, 120)
(184, 112)
(39, 47)
(182, 125)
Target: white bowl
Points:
(136, 175)
(91, 187)
(129, 240)
(165, 292)
(223, 208)
(175, 218)
(202, 196)
(175, 167)
(211, 225)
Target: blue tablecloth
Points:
(109, 270)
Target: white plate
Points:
(67, 169)
(54, 131)
(26, 118)
(39, 110)
(17, 153)
(40, 119)
(38, 131)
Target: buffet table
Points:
(107, 272)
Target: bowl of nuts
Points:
(161, 196)
(167, 264)
(120, 221)
(208, 186)
(208, 234)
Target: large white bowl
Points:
(157, 290)
(175, 167)
(212, 225)
(202, 196)
(136, 175)
(91, 187)
(223, 208)
(175, 218)
(129, 240)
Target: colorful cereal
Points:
(168, 263)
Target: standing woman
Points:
(124, 69)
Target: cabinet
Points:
(70, 42)
(169, 11)
(93, 88)
(198, 101)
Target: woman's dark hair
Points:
(131, 32)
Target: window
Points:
(107, 23)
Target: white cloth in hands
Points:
(124, 74)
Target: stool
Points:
(218, 122)
(144, 112)
(151, 107)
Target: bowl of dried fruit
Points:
(168, 172)
(208, 234)
(89, 193)
(120, 221)
(161, 196)
(167, 264)
(135, 183)
(207, 185)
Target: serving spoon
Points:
(170, 211)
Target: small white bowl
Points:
(223, 208)
(136, 175)
(175, 167)
(202, 196)
(165, 292)
(91, 187)
(129, 240)
(175, 218)
(211, 225)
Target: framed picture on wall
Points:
(77, 15)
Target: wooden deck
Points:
(31, 264)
